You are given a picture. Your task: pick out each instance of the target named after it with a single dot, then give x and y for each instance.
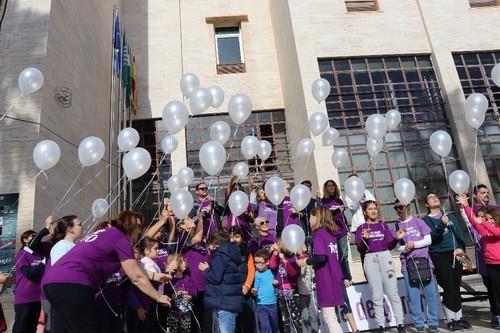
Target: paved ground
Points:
(476, 312)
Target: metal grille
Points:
(361, 5)
(268, 125)
(231, 69)
(474, 71)
(483, 3)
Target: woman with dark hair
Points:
(375, 239)
(243, 221)
(67, 231)
(71, 284)
(331, 200)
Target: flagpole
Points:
(111, 104)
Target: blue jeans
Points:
(226, 321)
(430, 294)
(268, 318)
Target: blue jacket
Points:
(223, 280)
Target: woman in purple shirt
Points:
(375, 239)
(331, 200)
(86, 267)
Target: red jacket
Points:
(491, 237)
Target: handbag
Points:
(418, 268)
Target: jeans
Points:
(227, 321)
(430, 294)
(268, 318)
(343, 243)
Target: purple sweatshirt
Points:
(338, 215)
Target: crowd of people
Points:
(216, 272)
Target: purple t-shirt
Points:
(27, 291)
(113, 292)
(261, 242)
(288, 216)
(381, 238)
(184, 284)
(194, 255)
(209, 219)
(242, 221)
(334, 206)
(329, 276)
(92, 261)
(271, 212)
(416, 229)
(162, 257)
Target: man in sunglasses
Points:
(265, 239)
(208, 209)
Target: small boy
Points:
(263, 288)
(223, 280)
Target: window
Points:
(483, 3)
(361, 5)
(364, 86)
(229, 48)
(268, 125)
(147, 196)
(474, 71)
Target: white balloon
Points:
(91, 151)
(249, 146)
(99, 208)
(169, 144)
(318, 122)
(495, 75)
(175, 116)
(440, 142)
(477, 104)
(354, 188)
(293, 238)
(241, 170)
(239, 107)
(46, 154)
(374, 146)
(185, 176)
(300, 196)
(320, 89)
(392, 119)
(305, 147)
(376, 126)
(265, 150)
(404, 189)
(189, 83)
(220, 131)
(212, 157)
(173, 183)
(473, 119)
(128, 138)
(275, 190)
(238, 203)
(182, 202)
(459, 181)
(199, 101)
(136, 162)
(340, 157)
(217, 96)
(30, 80)
(330, 137)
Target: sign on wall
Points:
(8, 225)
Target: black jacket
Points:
(223, 279)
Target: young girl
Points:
(181, 291)
(29, 271)
(287, 214)
(329, 276)
(375, 240)
(489, 229)
(284, 263)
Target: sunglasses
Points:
(202, 188)
(264, 222)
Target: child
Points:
(29, 271)
(223, 281)
(309, 311)
(263, 288)
(287, 272)
(181, 291)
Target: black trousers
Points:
(449, 278)
(246, 321)
(491, 293)
(204, 316)
(494, 277)
(110, 322)
(73, 306)
(26, 319)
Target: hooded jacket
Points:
(223, 279)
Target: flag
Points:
(126, 80)
(133, 76)
(116, 46)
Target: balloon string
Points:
(67, 191)
(46, 178)
(114, 187)
(11, 106)
(89, 182)
(149, 225)
(448, 195)
(155, 173)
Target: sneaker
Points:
(401, 329)
(433, 329)
(420, 329)
(464, 324)
(453, 326)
